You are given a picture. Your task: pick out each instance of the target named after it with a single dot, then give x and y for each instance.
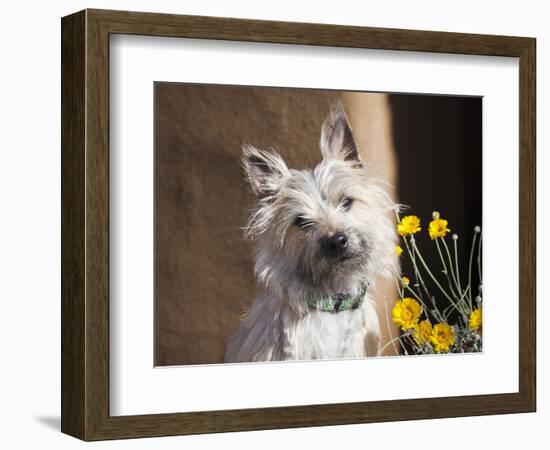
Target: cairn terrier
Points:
(323, 237)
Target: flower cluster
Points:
(450, 318)
(406, 314)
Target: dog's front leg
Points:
(288, 347)
(372, 325)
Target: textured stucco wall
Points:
(203, 267)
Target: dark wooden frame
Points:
(85, 224)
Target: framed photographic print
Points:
(270, 224)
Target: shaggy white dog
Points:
(323, 237)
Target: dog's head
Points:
(327, 227)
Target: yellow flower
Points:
(406, 313)
(442, 337)
(398, 250)
(422, 332)
(438, 228)
(408, 225)
(475, 321)
(405, 281)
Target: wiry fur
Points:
(290, 265)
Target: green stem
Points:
(400, 287)
(412, 342)
(389, 329)
(426, 268)
(417, 275)
(390, 342)
(459, 290)
(457, 307)
(455, 243)
(445, 268)
(479, 260)
(435, 312)
(470, 297)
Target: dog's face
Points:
(327, 226)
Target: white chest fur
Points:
(325, 335)
(352, 333)
(272, 333)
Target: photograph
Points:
(269, 225)
(297, 224)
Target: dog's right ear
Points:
(265, 171)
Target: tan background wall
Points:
(203, 276)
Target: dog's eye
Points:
(346, 203)
(303, 222)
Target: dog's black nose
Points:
(335, 245)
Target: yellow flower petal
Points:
(442, 337)
(408, 225)
(422, 332)
(438, 228)
(406, 313)
(398, 250)
(476, 319)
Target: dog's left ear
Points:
(337, 141)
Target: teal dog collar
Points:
(339, 302)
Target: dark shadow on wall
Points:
(438, 141)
